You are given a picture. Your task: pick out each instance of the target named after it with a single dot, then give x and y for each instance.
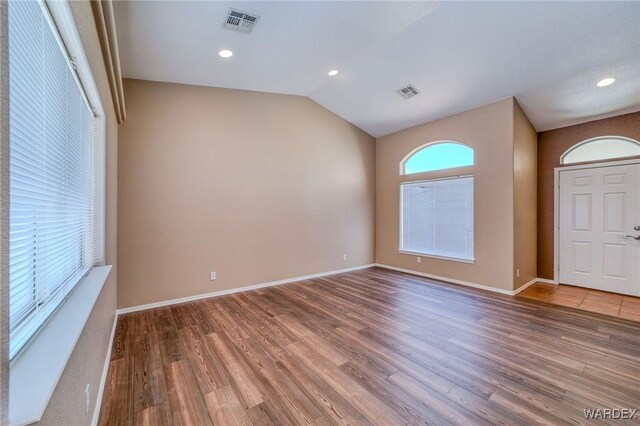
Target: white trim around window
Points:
(435, 256)
(35, 371)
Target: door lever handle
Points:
(635, 237)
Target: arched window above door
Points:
(437, 156)
(601, 148)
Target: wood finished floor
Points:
(369, 347)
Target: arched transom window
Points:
(601, 148)
(437, 156)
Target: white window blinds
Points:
(437, 217)
(56, 174)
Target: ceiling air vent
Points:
(240, 21)
(408, 92)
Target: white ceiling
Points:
(460, 55)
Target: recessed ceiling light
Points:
(333, 72)
(606, 81)
(225, 53)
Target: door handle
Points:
(635, 237)
(636, 228)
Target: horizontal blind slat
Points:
(437, 217)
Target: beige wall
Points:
(257, 187)
(525, 155)
(489, 131)
(66, 406)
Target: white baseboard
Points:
(546, 281)
(237, 290)
(530, 283)
(447, 279)
(466, 283)
(105, 371)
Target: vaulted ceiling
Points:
(459, 55)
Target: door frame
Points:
(556, 202)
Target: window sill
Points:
(35, 372)
(435, 256)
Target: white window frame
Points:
(36, 370)
(590, 140)
(427, 145)
(401, 224)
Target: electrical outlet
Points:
(344, 257)
(419, 259)
(213, 276)
(87, 399)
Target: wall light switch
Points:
(344, 257)
(419, 259)
(213, 276)
(518, 273)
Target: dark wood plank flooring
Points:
(369, 347)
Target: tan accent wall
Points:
(551, 145)
(66, 406)
(525, 156)
(257, 187)
(489, 131)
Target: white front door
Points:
(599, 209)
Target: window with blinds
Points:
(55, 217)
(437, 217)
